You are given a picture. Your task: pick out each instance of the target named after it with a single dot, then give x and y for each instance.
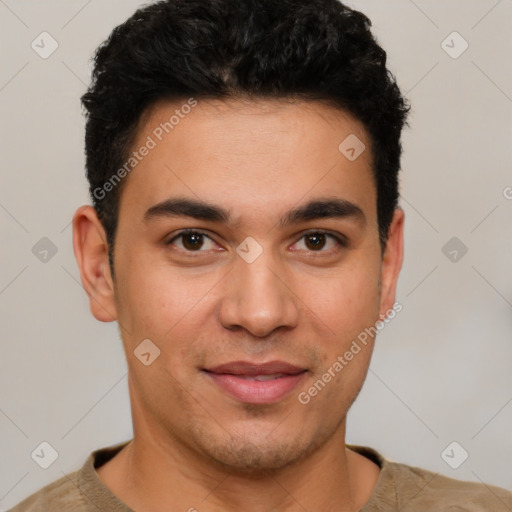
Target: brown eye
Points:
(318, 241)
(192, 241)
(315, 241)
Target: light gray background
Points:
(441, 371)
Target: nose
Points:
(258, 297)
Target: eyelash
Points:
(341, 241)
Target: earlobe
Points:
(91, 253)
(392, 262)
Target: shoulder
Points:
(411, 489)
(62, 494)
(80, 491)
(417, 487)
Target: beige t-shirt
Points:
(399, 488)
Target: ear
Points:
(91, 253)
(392, 262)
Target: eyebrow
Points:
(323, 208)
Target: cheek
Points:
(161, 303)
(346, 300)
(345, 309)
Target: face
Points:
(247, 251)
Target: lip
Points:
(239, 379)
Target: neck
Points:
(154, 470)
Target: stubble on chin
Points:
(259, 457)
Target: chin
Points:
(251, 459)
(254, 454)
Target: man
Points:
(245, 234)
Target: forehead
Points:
(254, 155)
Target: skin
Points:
(194, 445)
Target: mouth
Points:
(256, 383)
